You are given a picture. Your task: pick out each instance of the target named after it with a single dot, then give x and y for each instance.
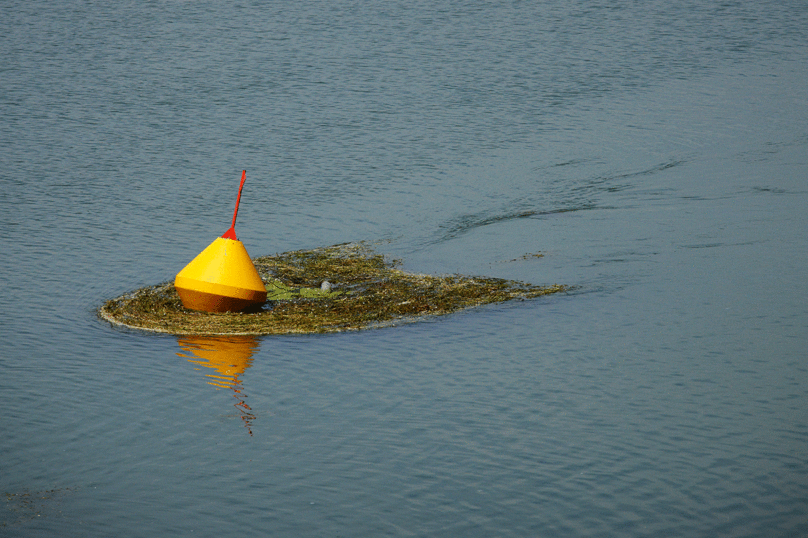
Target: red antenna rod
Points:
(231, 233)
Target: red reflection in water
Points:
(229, 356)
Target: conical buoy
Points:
(222, 278)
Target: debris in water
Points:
(339, 288)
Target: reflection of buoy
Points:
(222, 278)
(230, 356)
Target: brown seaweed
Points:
(368, 291)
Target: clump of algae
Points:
(369, 291)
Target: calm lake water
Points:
(655, 152)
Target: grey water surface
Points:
(655, 153)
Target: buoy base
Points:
(211, 302)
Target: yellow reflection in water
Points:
(229, 356)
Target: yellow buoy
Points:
(222, 278)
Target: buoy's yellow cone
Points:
(222, 278)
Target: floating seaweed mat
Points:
(367, 290)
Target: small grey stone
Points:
(325, 286)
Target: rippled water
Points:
(655, 153)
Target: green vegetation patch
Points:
(366, 290)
